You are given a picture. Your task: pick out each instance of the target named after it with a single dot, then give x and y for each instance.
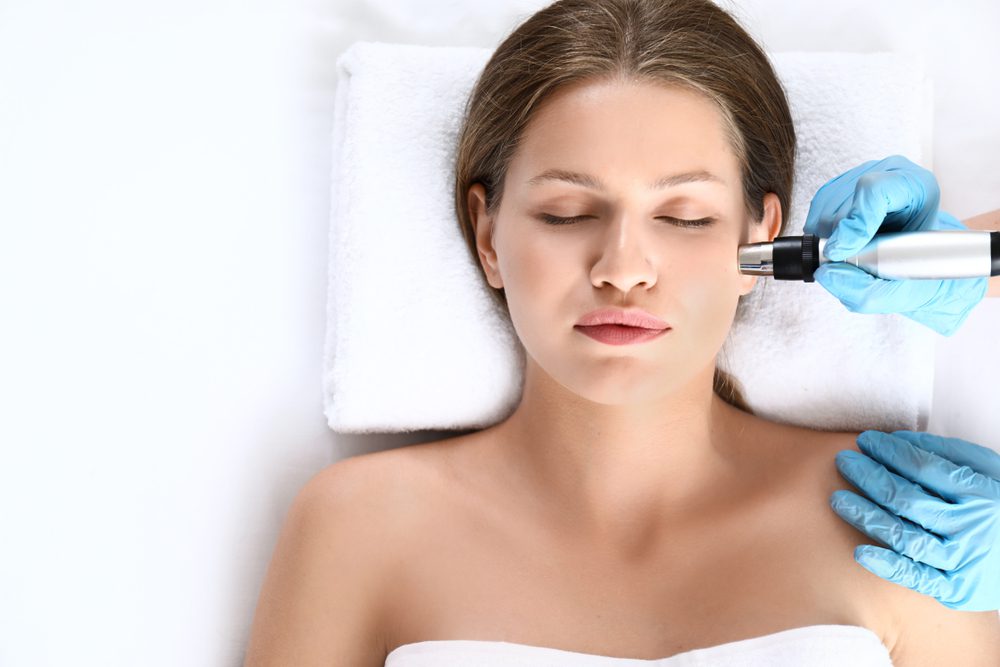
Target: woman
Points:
(613, 155)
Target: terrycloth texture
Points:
(809, 646)
(414, 341)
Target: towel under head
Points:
(399, 267)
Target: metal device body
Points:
(893, 255)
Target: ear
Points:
(482, 226)
(761, 231)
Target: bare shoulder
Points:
(392, 485)
(371, 481)
(917, 629)
(323, 600)
(822, 538)
(382, 499)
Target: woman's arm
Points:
(987, 222)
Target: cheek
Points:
(536, 278)
(707, 284)
(536, 264)
(711, 262)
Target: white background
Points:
(164, 191)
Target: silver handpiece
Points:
(923, 255)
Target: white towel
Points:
(824, 645)
(414, 342)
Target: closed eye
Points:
(680, 222)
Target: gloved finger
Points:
(901, 535)
(848, 283)
(905, 572)
(895, 493)
(934, 473)
(861, 292)
(826, 206)
(983, 460)
(877, 196)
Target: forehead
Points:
(626, 128)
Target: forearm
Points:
(987, 222)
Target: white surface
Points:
(163, 210)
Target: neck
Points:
(608, 471)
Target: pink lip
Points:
(616, 334)
(634, 317)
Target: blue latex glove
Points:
(887, 195)
(946, 493)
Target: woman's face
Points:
(627, 248)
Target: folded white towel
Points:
(414, 342)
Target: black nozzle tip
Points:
(796, 257)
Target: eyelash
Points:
(681, 222)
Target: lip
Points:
(616, 334)
(632, 317)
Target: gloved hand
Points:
(946, 493)
(888, 195)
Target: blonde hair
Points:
(689, 43)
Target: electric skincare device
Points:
(893, 255)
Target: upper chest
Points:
(478, 566)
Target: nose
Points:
(622, 260)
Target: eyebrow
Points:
(588, 181)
